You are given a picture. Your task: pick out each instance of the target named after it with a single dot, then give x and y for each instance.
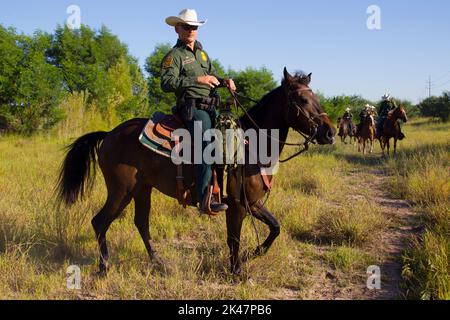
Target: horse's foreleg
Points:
(235, 217)
(261, 213)
(395, 147)
(382, 145)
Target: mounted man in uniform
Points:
(188, 71)
(387, 104)
(348, 116)
(367, 111)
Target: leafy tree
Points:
(253, 83)
(85, 56)
(158, 99)
(436, 107)
(127, 88)
(11, 55)
(335, 106)
(30, 101)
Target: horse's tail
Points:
(76, 169)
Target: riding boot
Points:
(210, 205)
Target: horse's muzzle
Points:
(326, 135)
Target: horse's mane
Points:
(300, 77)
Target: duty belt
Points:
(204, 103)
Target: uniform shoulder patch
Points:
(204, 56)
(168, 61)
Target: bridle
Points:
(310, 118)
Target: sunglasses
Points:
(187, 27)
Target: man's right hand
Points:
(210, 81)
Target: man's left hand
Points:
(231, 85)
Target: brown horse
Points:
(391, 129)
(131, 171)
(366, 134)
(344, 130)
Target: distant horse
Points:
(131, 171)
(344, 130)
(391, 129)
(367, 133)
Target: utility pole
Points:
(429, 87)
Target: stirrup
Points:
(205, 205)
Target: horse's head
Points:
(403, 115)
(399, 113)
(304, 112)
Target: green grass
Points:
(323, 226)
(421, 175)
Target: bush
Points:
(436, 107)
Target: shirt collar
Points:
(181, 44)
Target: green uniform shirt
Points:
(385, 107)
(181, 67)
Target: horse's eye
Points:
(303, 100)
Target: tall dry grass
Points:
(322, 228)
(421, 175)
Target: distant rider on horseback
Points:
(349, 116)
(367, 111)
(387, 104)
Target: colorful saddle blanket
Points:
(158, 134)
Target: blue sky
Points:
(328, 38)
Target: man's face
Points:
(187, 34)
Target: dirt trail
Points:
(389, 246)
(393, 239)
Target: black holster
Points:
(188, 109)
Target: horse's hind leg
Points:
(142, 201)
(235, 217)
(388, 148)
(117, 201)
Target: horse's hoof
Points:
(101, 274)
(161, 265)
(237, 271)
(260, 251)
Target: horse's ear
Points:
(287, 75)
(309, 78)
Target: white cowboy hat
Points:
(367, 105)
(187, 16)
(348, 109)
(386, 96)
